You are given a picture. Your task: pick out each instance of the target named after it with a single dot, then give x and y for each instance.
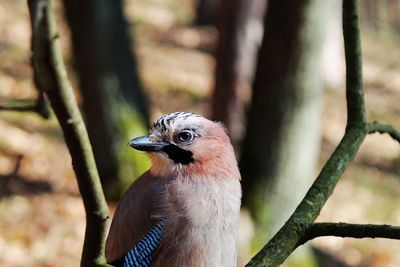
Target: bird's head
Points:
(188, 143)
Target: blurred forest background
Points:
(282, 98)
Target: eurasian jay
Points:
(184, 211)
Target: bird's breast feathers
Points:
(202, 222)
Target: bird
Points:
(185, 210)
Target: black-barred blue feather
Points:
(142, 254)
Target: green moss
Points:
(302, 257)
(132, 162)
(261, 217)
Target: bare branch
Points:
(351, 230)
(39, 106)
(376, 127)
(51, 78)
(24, 108)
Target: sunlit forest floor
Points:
(42, 219)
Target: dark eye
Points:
(185, 136)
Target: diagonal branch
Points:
(376, 127)
(51, 78)
(287, 239)
(351, 230)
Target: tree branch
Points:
(350, 230)
(352, 49)
(287, 239)
(373, 127)
(23, 108)
(39, 106)
(51, 78)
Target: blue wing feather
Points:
(142, 254)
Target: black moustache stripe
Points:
(178, 155)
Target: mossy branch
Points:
(287, 239)
(51, 78)
(289, 236)
(351, 230)
(352, 48)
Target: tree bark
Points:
(206, 12)
(113, 101)
(51, 78)
(281, 147)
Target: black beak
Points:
(143, 143)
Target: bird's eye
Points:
(185, 136)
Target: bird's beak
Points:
(143, 143)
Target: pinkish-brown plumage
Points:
(194, 185)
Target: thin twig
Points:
(51, 78)
(376, 127)
(39, 106)
(351, 230)
(29, 108)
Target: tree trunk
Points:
(240, 32)
(206, 12)
(113, 102)
(281, 147)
